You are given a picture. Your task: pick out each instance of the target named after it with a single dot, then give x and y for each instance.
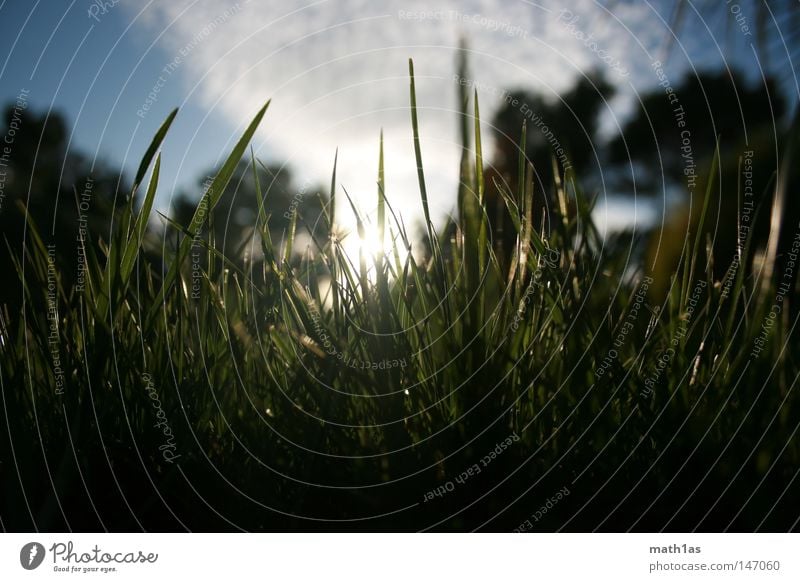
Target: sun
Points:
(372, 247)
(370, 244)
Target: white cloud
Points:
(337, 73)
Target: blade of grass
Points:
(153, 148)
(206, 205)
(698, 235)
(423, 191)
(333, 245)
(479, 189)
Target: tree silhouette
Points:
(70, 202)
(62, 193)
(667, 148)
(562, 130)
(234, 220)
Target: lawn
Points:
(439, 385)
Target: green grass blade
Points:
(287, 250)
(423, 191)
(333, 246)
(153, 148)
(381, 198)
(698, 235)
(479, 190)
(206, 205)
(479, 186)
(132, 248)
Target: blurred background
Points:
(87, 84)
(654, 109)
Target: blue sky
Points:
(336, 71)
(98, 74)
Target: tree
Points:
(562, 130)
(667, 148)
(61, 193)
(234, 219)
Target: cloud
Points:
(337, 73)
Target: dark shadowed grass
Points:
(261, 396)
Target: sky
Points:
(337, 74)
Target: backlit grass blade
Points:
(206, 205)
(230, 264)
(381, 198)
(333, 246)
(220, 182)
(140, 227)
(262, 213)
(153, 148)
(287, 250)
(423, 191)
(436, 258)
(362, 233)
(698, 235)
(333, 189)
(120, 273)
(527, 232)
(381, 275)
(482, 217)
(479, 186)
(263, 219)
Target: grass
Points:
(260, 397)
